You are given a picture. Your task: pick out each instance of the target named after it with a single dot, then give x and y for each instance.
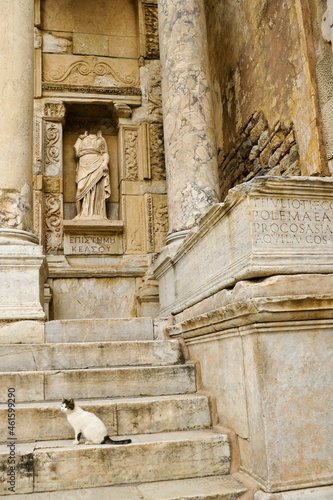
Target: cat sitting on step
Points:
(88, 424)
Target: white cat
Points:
(88, 424)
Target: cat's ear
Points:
(63, 400)
(71, 401)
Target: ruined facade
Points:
(217, 117)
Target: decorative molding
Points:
(161, 225)
(37, 138)
(91, 67)
(53, 222)
(89, 89)
(156, 150)
(150, 223)
(151, 30)
(131, 139)
(52, 148)
(55, 110)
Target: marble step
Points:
(146, 415)
(98, 330)
(60, 465)
(32, 357)
(98, 383)
(199, 488)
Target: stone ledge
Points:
(94, 226)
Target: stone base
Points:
(22, 332)
(23, 273)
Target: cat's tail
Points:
(108, 440)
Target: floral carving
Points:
(53, 222)
(131, 155)
(91, 67)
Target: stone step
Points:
(98, 383)
(44, 421)
(98, 330)
(32, 357)
(59, 465)
(199, 488)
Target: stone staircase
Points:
(140, 387)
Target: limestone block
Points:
(84, 43)
(118, 382)
(99, 330)
(23, 482)
(222, 373)
(218, 487)
(22, 269)
(95, 71)
(162, 414)
(15, 332)
(294, 365)
(267, 226)
(88, 355)
(57, 43)
(123, 46)
(28, 387)
(169, 454)
(94, 298)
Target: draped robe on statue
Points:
(92, 176)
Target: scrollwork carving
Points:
(52, 149)
(91, 67)
(53, 222)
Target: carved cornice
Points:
(89, 89)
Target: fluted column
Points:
(190, 145)
(16, 109)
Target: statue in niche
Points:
(92, 176)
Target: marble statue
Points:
(92, 176)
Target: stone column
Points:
(16, 109)
(21, 258)
(190, 145)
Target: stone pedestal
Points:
(23, 272)
(251, 294)
(190, 147)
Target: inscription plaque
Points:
(292, 222)
(75, 244)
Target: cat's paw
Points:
(76, 442)
(88, 442)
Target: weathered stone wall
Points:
(260, 54)
(260, 151)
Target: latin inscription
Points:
(92, 244)
(292, 221)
